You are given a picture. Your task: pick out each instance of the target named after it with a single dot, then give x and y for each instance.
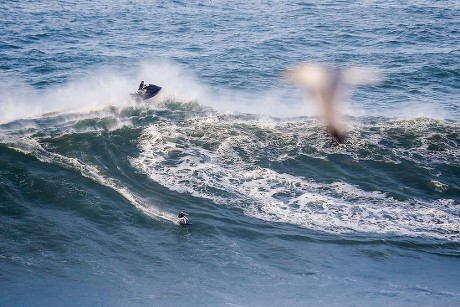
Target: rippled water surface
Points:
(91, 181)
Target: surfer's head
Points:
(182, 214)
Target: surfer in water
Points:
(183, 219)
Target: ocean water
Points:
(91, 181)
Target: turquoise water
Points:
(91, 182)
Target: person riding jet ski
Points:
(141, 87)
(145, 92)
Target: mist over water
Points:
(103, 88)
(91, 181)
(109, 88)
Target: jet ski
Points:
(146, 92)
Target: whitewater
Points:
(91, 181)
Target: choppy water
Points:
(91, 182)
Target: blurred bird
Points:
(325, 85)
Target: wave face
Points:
(89, 191)
(91, 182)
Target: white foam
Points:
(96, 91)
(172, 156)
(102, 87)
(91, 94)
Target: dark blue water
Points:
(91, 182)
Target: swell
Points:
(391, 177)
